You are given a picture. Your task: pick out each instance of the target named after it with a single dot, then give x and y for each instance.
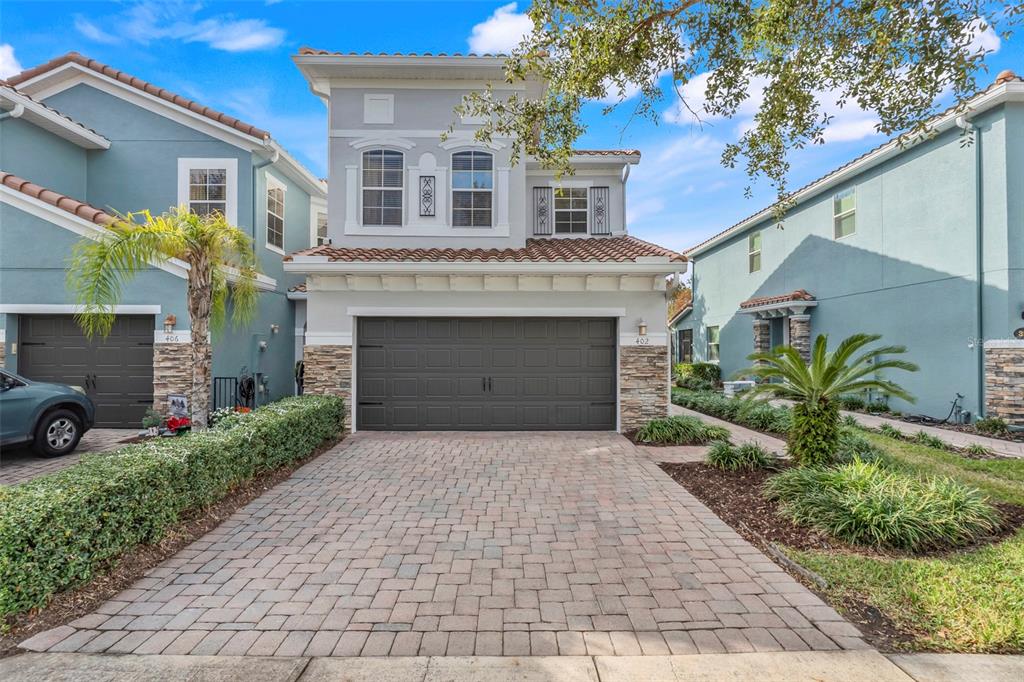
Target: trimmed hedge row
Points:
(57, 530)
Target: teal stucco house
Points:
(921, 243)
(80, 140)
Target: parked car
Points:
(50, 417)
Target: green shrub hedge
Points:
(722, 455)
(57, 530)
(865, 503)
(681, 430)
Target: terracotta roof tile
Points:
(300, 288)
(798, 295)
(65, 203)
(595, 249)
(19, 93)
(139, 84)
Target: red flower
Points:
(175, 423)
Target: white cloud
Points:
(146, 22)
(501, 31)
(9, 64)
(983, 38)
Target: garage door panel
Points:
(373, 388)
(373, 358)
(115, 371)
(487, 373)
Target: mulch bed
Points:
(75, 603)
(737, 498)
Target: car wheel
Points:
(58, 433)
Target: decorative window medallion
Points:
(427, 195)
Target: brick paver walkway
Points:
(465, 543)
(21, 464)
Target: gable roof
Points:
(46, 117)
(1007, 86)
(595, 249)
(139, 84)
(61, 201)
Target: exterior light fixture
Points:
(641, 327)
(169, 323)
(275, 328)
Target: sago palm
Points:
(816, 385)
(212, 247)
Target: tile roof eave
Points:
(81, 131)
(75, 207)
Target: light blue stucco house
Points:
(80, 140)
(923, 244)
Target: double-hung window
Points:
(383, 183)
(713, 344)
(570, 210)
(275, 213)
(321, 228)
(472, 188)
(754, 252)
(844, 213)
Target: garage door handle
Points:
(363, 402)
(32, 343)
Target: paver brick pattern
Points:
(21, 464)
(466, 543)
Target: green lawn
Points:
(968, 601)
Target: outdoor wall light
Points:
(275, 328)
(641, 327)
(263, 346)
(169, 323)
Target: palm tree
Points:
(212, 247)
(815, 386)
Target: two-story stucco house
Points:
(923, 244)
(80, 140)
(459, 291)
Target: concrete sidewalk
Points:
(957, 439)
(846, 666)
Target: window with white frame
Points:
(570, 210)
(275, 213)
(209, 186)
(383, 187)
(472, 188)
(844, 213)
(321, 228)
(754, 252)
(713, 344)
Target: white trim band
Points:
(71, 309)
(387, 311)
(1004, 343)
(328, 339)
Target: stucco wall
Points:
(41, 157)
(907, 273)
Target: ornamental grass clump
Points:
(680, 430)
(57, 531)
(864, 503)
(728, 457)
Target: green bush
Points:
(978, 450)
(890, 431)
(682, 369)
(722, 455)
(853, 403)
(706, 371)
(992, 426)
(680, 430)
(814, 436)
(924, 438)
(692, 383)
(56, 531)
(852, 445)
(865, 503)
(876, 406)
(750, 413)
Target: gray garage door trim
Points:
(479, 373)
(116, 371)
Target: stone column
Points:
(643, 385)
(800, 334)
(762, 335)
(328, 371)
(1004, 380)
(172, 370)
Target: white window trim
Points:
(837, 216)
(572, 184)
(388, 116)
(274, 183)
(707, 343)
(316, 205)
(362, 187)
(751, 253)
(492, 190)
(185, 164)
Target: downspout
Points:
(16, 112)
(979, 265)
(255, 359)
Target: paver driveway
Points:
(466, 543)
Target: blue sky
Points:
(234, 56)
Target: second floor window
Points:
(844, 213)
(208, 190)
(275, 214)
(472, 189)
(570, 210)
(321, 228)
(754, 252)
(383, 183)
(712, 344)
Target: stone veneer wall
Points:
(328, 371)
(762, 336)
(172, 372)
(1004, 381)
(643, 384)
(800, 334)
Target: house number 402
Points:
(642, 340)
